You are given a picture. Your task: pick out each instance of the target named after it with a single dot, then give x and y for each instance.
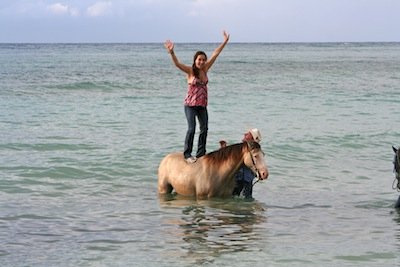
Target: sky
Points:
(138, 21)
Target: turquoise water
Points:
(83, 128)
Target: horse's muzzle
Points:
(263, 174)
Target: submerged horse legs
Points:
(164, 187)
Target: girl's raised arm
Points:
(217, 51)
(169, 45)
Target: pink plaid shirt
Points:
(197, 94)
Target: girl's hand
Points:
(226, 36)
(169, 46)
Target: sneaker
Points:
(191, 159)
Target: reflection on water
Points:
(210, 228)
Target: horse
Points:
(396, 171)
(212, 175)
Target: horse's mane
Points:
(396, 160)
(223, 153)
(396, 169)
(231, 151)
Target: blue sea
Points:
(83, 128)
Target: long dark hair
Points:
(196, 70)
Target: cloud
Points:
(58, 9)
(99, 9)
(61, 9)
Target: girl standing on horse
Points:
(196, 99)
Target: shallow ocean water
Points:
(84, 127)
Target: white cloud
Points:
(99, 9)
(61, 9)
(58, 9)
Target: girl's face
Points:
(248, 137)
(200, 61)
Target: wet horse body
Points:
(211, 175)
(396, 170)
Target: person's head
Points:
(252, 135)
(199, 59)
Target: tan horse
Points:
(212, 175)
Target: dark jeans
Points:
(243, 187)
(202, 115)
(244, 182)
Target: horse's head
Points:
(254, 159)
(396, 163)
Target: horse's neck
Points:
(224, 164)
(230, 167)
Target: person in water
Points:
(244, 177)
(196, 99)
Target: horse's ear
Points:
(253, 144)
(394, 149)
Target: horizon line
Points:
(255, 42)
